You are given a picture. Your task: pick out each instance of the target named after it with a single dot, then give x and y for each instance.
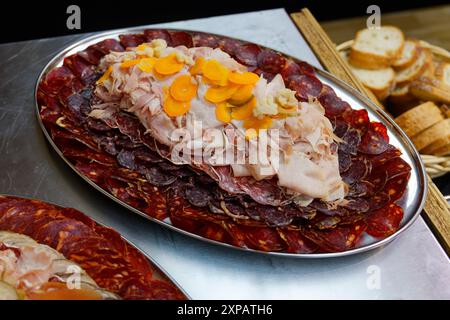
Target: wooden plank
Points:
(436, 210)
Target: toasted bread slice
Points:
(426, 88)
(380, 82)
(443, 151)
(409, 54)
(376, 48)
(430, 135)
(436, 145)
(423, 63)
(442, 73)
(419, 118)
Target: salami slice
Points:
(152, 34)
(292, 68)
(395, 167)
(205, 40)
(296, 242)
(337, 239)
(247, 54)
(378, 200)
(306, 86)
(361, 188)
(270, 61)
(91, 55)
(375, 140)
(358, 119)
(108, 45)
(334, 106)
(230, 45)
(351, 140)
(359, 169)
(396, 187)
(391, 152)
(56, 79)
(274, 216)
(81, 69)
(181, 38)
(385, 221)
(131, 40)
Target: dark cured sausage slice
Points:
(108, 45)
(131, 40)
(385, 221)
(230, 45)
(84, 71)
(338, 239)
(152, 34)
(333, 105)
(247, 54)
(379, 159)
(292, 68)
(375, 140)
(205, 40)
(180, 38)
(306, 86)
(396, 187)
(296, 243)
(270, 61)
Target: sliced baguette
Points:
(419, 118)
(380, 81)
(423, 63)
(442, 73)
(430, 135)
(445, 150)
(376, 48)
(426, 88)
(409, 54)
(436, 145)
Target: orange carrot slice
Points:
(223, 112)
(243, 78)
(244, 112)
(129, 63)
(214, 71)
(183, 88)
(242, 95)
(220, 94)
(168, 65)
(197, 68)
(175, 108)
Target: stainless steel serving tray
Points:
(412, 202)
(161, 274)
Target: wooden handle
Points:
(437, 212)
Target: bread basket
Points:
(436, 166)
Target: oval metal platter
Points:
(160, 273)
(412, 202)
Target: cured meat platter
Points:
(102, 136)
(44, 247)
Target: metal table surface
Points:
(414, 266)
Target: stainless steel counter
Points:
(412, 267)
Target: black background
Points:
(23, 20)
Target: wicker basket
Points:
(434, 165)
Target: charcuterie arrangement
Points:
(112, 110)
(48, 252)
